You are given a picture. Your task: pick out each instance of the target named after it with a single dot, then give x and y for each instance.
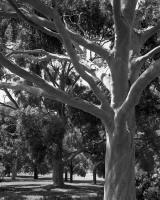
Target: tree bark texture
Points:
(58, 166)
(119, 165)
(14, 169)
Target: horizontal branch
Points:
(91, 79)
(40, 51)
(58, 95)
(8, 106)
(138, 86)
(8, 14)
(53, 93)
(87, 65)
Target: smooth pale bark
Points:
(119, 164)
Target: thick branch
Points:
(75, 61)
(87, 65)
(137, 63)
(139, 85)
(92, 46)
(28, 18)
(72, 53)
(52, 92)
(117, 12)
(146, 34)
(129, 10)
(49, 13)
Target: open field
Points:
(26, 188)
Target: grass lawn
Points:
(25, 188)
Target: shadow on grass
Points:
(43, 191)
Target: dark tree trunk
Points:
(66, 176)
(71, 172)
(58, 166)
(14, 169)
(35, 172)
(94, 176)
(8, 171)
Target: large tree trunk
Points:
(58, 166)
(119, 165)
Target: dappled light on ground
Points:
(25, 188)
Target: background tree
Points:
(41, 132)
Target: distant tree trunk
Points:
(58, 166)
(35, 171)
(94, 176)
(8, 171)
(71, 172)
(66, 175)
(14, 169)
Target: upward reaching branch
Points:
(52, 13)
(53, 93)
(149, 54)
(117, 13)
(75, 61)
(137, 63)
(150, 31)
(129, 10)
(139, 85)
(44, 23)
(32, 20)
